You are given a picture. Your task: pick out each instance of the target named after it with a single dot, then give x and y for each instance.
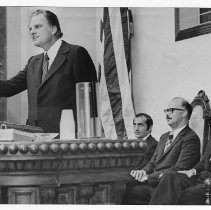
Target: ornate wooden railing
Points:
(77, 171)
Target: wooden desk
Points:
(83, 171)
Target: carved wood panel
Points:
(23, 195)
(101, 195)
(46, 195)
(110, 193)
(67, 195)
(69, 172)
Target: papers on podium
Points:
(16, 135)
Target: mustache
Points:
(168, 118)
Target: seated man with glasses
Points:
(177, 150)
(184, 187)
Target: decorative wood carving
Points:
(101, 195)
(202, 100)
(67, 195)
(207, 187)
(68, 172)
(46, 195)
(23, 195)
(116, 193)
(19, 156)
(84, 193)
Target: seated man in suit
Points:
(184, 187)
(177, 150)
(142, 126)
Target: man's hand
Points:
(160, 176)
(139, 175)
(189, 173)
(133, 173)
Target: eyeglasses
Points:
(171, 110)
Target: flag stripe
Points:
(111, 77)
(122, 70)
(101, 31)
(99, 73)
(105, 106)
(124, 21)
(115, 97)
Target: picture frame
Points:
(197, 30)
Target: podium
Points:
(88, 110)
(80, 171)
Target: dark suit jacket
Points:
(46, 101)
(151, 146)
(183, 154)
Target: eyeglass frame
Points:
(171, 110)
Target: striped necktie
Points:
(169, 141)
(45, 66)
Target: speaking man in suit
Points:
(177, 150)
(50, 77)
(185, 187)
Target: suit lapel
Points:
(162, 146)
(58, 61)
(37, 69)
(179, 136)
(148, 139)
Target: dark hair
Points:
(188, 107)
(149, 121)
(52, 20)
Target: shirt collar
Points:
(176, 132)
(52, 52)
(146, 137)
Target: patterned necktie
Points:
(45, 66)
(169, 141)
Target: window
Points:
(191, 22)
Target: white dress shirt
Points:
(145, 138)
(176, 132)
(52, 52)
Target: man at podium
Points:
(50, 77)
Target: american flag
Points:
(116, 104)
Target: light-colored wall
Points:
(78, 26)
(163, 68)
(14, 104)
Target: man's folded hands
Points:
(139, 175)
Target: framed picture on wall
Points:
(192, 22)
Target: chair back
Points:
(200, 120)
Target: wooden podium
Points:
(81, 171)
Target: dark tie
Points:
(45, 66)
(169, 141)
